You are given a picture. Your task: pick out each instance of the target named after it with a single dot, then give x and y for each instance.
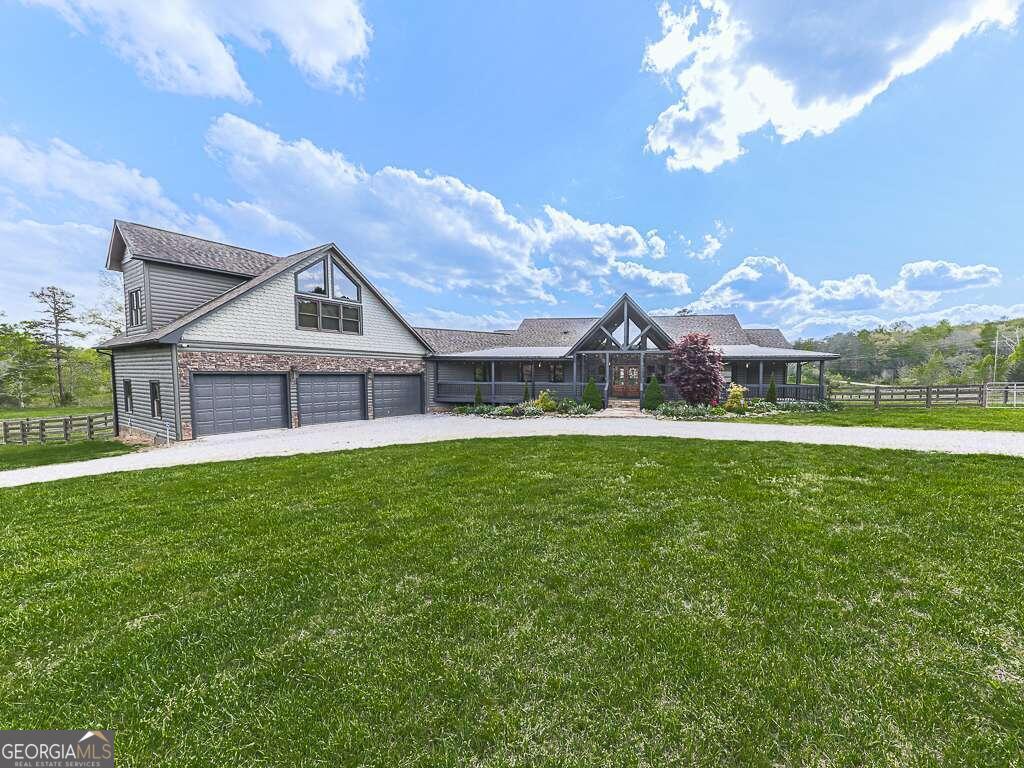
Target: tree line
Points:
(899, 354)
(46, 361)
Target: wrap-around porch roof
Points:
(624, 329)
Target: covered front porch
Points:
(619, 374)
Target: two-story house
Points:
(226, 339)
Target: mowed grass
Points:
(537, 601)
(945, 417)
(36, 454)
(9, 414)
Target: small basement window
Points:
(129, 401)
(156, 408)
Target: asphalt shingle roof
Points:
(174, 248)
(768, 337)
(447, 340)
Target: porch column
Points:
(494, 386)
(607, 375)
(821, 379)
(575, 385)
(643, 378)
(760, 378)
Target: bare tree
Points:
(684, 311)
(56, 325)
(107, 314)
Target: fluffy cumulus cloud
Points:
(54, 197)
(766, 288)
(182, 45)
(432, 232)
(741, 65)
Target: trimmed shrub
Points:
(571, 408)
(772, 396)
(592, 395)
(546, 401)
(653, 396)
(734, 402)
(696, 369)
(478, 397)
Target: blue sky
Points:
(816, 169)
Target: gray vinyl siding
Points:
(142, 365)
(134, 272)
(173, 291)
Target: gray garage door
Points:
(326, 398)
(238, 402)
(396, 396)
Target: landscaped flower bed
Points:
(735, 406)
(544, 404)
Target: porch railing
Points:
(508, 392)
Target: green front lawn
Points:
(947, 417)
(6, 414)
(536, 601)
(35, 454)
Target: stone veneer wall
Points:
(292, 365)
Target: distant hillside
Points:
(932, 354)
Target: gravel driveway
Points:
(431, 428)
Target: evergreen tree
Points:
(592, 395)
(53, 330)
(653, 396)
(772, 396)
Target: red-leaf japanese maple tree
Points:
(695, 369)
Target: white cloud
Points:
(182, 45)
(435, 232)
(741, 65)
(60, 174)
(433, 317)
(767, 287)
(947, 276)
(36, 254)
(821, 324)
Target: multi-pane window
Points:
(481, 372)
(135, 308)
(341, 313)
(557, 372)
(319, 315)
(156, 408)
(526, 371)
(129, 401)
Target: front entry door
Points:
(626, 381)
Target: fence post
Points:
(67, 429)
(983, 396)
(42, 430)
(90, 428)
(7, 432)
(24, 431)
(928, 396)
(878, 396)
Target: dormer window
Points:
(341, 314)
